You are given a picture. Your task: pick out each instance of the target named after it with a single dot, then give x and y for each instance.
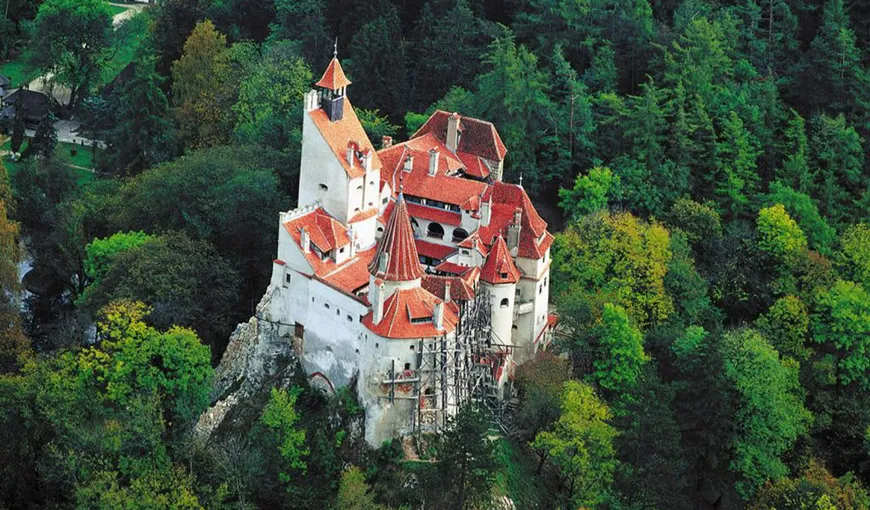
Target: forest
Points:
(703, 166)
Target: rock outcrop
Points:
(259, 357)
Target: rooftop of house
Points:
(342, 133)
(410, 313)
(499, 267)
(478, 137)
(333, 78)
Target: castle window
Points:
(337, 311)
(465, 252)
(421, 320)
(459, 234)
(412, 347)
(514, 327)
(341, 250)
(371, 204)
(540, 288)
(380, 230)
(349, 318)
(435, 230)
(326, 305)
(287, 280)
(377, 345)
(384, 201)
(323, 187)
(503, 275)
(407, 366)
(371, 183)
(504, 303)
(359, 188)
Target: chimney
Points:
(351, 148)
(447, 292)
(367, 160)
(409, 163)
(304, 240)
(377, 302)
(485, 211)
(438, 316)
(433, 161)
(453, 131)
(513, 232)
(386, 141)
(312, 101)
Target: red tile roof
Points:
(363, 215)
(340, 133)
(452, 268)
(434, 214)
(333, 78)
(351, 276)
(401, 307)
(506, 199)
(499, 266)
(479, 137)
(474, 165)
(397, 244)
(324, 231)
(445, 186)
(436, 251)
(459, 289)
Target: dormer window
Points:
(503, 275)
(421, 320)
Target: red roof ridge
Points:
(333, 77)
(397, 258)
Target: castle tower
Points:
(500, 275)
(340, 168)
(396, 264)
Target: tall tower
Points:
(340, 168)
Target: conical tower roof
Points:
(333, 78)
(499, 266)
(396, 259)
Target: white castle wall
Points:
(320, 166)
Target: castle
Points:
(412, 270)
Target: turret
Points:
(333, 87)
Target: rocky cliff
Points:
(259, 357)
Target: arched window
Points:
(504, 303)
(435, 230)
(459, 234)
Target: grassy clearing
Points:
(78, 163)
(18, 71)
(116, 9)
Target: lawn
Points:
(82, 160)
(116, 9)
(18, 71)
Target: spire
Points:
(397, 249)
(335, 49)
(499, 266)
(333, 78)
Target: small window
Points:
(312, 299)
(540, 288)
(505, 302)
(349, 318)
(514, 327)
(377, 345)
(371, 204)
(359, 188)
(371, 183)
(503, 275)
(287, 277)
(326, 305)
(412, 347)
(407, 366)
(465, 252)
(384, 201)
(341, 250)
(323, 187)
(337, 311)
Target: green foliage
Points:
(786, 324)
(580, 446)
(820, 236)
(615, 258)
(855, 252)
(280, 417)
(816, 488)
(700, 222)
(103, 252)
(270, 98)
(842, 322)
(375, 125)
(590, 194)
(71, 40)
(770, 412)
(466, 463)
(539, 384)
(621, 361)
(354, 493)
(779, 235)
